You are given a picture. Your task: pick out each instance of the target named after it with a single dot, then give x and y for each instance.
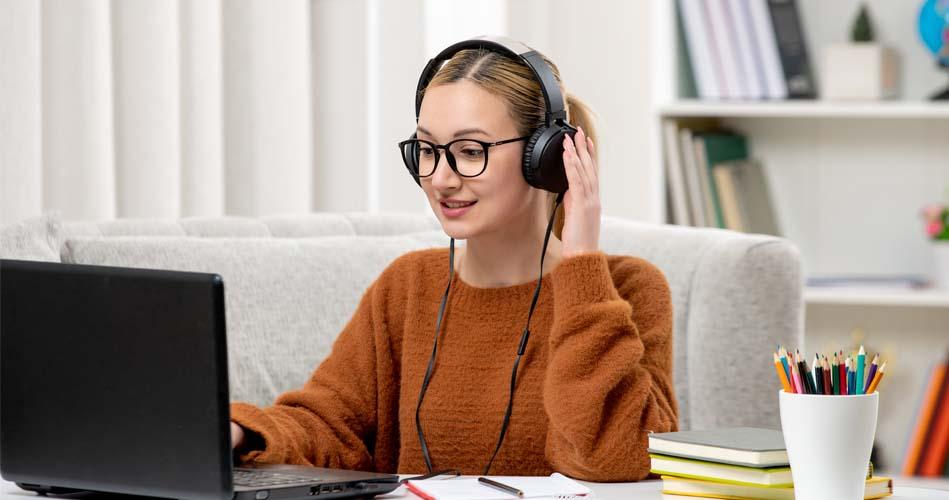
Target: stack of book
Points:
(712, 180)
(737, 464)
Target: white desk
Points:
(645, 490)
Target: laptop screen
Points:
(114, 379)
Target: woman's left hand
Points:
(581, 227)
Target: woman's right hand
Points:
(237, 436)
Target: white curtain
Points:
(138, 108)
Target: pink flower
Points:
(932, 211)
(934, 227)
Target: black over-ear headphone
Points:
(542, 164)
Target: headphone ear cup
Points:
(410, 159)
(543, 158)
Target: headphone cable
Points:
(522, 347)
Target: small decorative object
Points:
(861, 69)
(934, 31)
(936, 218)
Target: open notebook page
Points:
(468, 488)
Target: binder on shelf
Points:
(792, 47)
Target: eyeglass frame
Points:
(451, 157)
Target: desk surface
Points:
(645, 490)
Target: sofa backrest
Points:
(292, 283)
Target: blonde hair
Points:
(515, 83)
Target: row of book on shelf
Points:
(712, 181)
(734, 463)
(927, 452)
(744, 49)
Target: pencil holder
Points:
(828, 439)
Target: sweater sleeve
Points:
(609, 377)
(331, 420)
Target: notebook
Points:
(556, 486)
(745, 446)
(712, 471)
(674, 487)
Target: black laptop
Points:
(115, 380)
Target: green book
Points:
(719, 147)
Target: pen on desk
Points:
(417, 491)
(503, 487)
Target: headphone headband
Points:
(553, 99)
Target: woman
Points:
(596, 373)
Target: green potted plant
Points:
(936, 220)
(862, 69)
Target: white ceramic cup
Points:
(829, 439)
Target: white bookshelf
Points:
(847, 181)
(913, 110)
(876, 297)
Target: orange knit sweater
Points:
(595, 379)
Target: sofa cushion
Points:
(37, 238)
(286, 300)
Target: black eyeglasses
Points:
(467, 157)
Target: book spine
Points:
(744, 35)
(914, 449)
(767, 49)
(723, 34)
(699, 43)
(934, 459)
(675, 175)
(696, 194)
(792, 48)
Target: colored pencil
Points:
(838, 374)
(871, 372)
(802, 372)
(828, 385)
(778, 367)
(861, 361)
(818, 376)
(849, 377)
(783, 354)
(796, 378)
(835, 376)
(812, 387)
(876, 379)
(844, 379)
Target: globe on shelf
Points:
(934, 30)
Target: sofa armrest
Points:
(746, 298)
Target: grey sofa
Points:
(292, 283)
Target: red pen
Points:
(418, 491)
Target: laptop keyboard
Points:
(259, 478)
